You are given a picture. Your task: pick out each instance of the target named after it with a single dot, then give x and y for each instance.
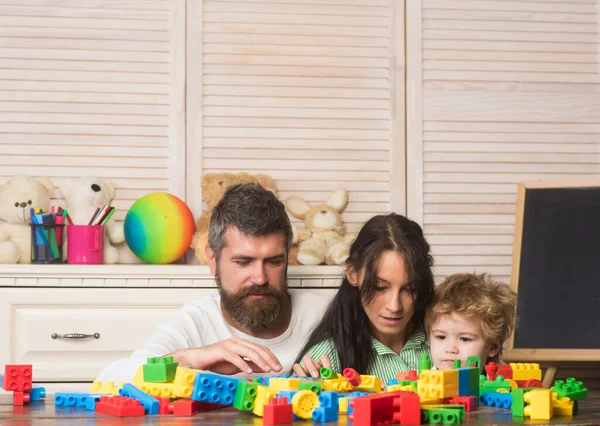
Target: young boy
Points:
(472, 315)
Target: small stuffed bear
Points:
(214, 186)
(323, 239)
(17, 197)
(82, 196)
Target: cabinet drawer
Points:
(32, 322)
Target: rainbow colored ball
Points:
(159, 228)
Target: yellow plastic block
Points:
(138, 378)
(540, 404)
(408, 388)
(431, 401)
(108, 389)
(526, 371)
(304, 403)
(277, 384)
(184, 382)
(263, 394)
(561, 407)
(343, 405)
(337, 385)
(438, 384)
(369, 384)
(393, 388)
(513, 384)
(164, 390)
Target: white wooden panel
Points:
(94, 88)
(310, 93)
(510, 93)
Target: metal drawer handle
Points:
(75, 336)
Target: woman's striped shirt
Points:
(385, 362)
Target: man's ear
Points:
(352, 275)
(212, 259)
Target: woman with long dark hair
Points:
(374, 323)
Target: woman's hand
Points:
(311, 367)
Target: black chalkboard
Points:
(558, 278)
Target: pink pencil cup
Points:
(85, 244)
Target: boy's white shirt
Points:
(201, 323)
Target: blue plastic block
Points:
(151, 404)
(214, 388)
(325, 414)
(329, 400)
(90, 403)
(69, 399)
(392, 382)
(37, 393)
(496, 399)
(464, 381)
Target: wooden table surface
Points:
(44, 413)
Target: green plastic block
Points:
(442, 416)
(493, 386)
(159, 370)
(245, 394)
(518, 401)
(424, 363)
(572, 389)
(312, 386)
(327, 373)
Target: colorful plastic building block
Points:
(369, 384)
(352, 376)
(304, 403)
(245, 395)
(327, 373)
(438, 384)
(17, 378)
(468, 381)
(278, 412)
(105, 389)
(263, 395)
(505, 370)
(492, 370)
(572, 389)
(494, 386)
(442, 415)
(159, 370)
(540, 404)
(328, 408)
(424, 363)
(561, 407)
(496, 399)
(310, 385)
(150, 404)
(469, 402)
(183, 384)
(187, 407)
(37, 393)
(215, 389)
(165, 406)
(120, 406)
(277, 384)
(20, 398)
(69, 399)
(526, 371)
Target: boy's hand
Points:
(311, 368)
(229, 356)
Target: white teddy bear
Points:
(324, 238)
(17, 197)
(82, 196)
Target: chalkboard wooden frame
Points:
(539, 355)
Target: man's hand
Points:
(229, 356)
(311, 368)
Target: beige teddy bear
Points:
(214, 186)
(82, 196)
(17, 197)
(323, 238)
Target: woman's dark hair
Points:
(345, 321)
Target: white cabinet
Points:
(69, 322)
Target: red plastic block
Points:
(529, 383)
(505, 370)
(376, 409)
(278, 412)
(492, 370)
(17, 378)
(352, 376)
(469, 402)
(165, 405)
(119, 406)
(188, 407)
(408, 409)
(20, 398)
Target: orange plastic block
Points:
(438, 384)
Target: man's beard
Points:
(254, 315)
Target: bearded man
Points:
(254, 325)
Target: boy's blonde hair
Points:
(478, 296)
